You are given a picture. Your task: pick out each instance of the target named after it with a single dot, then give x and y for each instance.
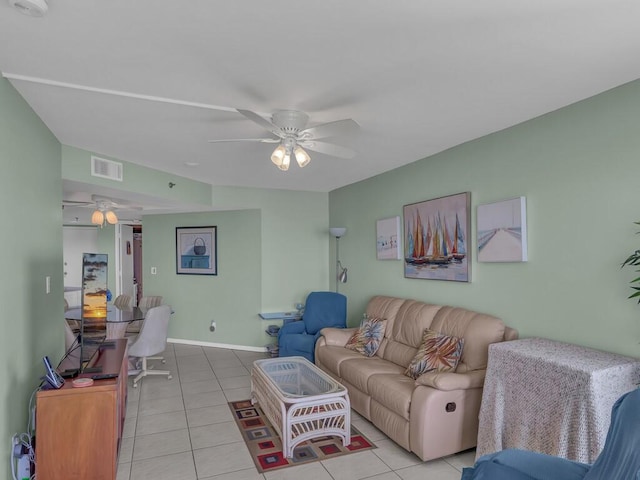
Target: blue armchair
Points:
(322, 309)
(619, 459)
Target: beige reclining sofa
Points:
(436, 414)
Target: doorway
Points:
(129, 265)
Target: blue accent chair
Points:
(619, 459)
(322, 309)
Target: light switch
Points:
(47, 284)
(154, 270)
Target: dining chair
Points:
(122, 301)
(151, 341)
(144, 304)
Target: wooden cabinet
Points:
(79, 430)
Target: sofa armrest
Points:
(337, 337)
(447, 381)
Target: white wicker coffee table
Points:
(300, 400)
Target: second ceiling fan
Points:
(289, 128)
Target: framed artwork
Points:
(196, 250)
(388, 239)
(502, 231)
(436, 233)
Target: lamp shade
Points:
(337, 231)
(284, 166)
(302, 157)
(111, 217)
(97, 218)
(278, 155)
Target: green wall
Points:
(76, 166)
(578, 167)
(272, 251)
(31, 249)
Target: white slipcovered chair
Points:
(122, 301)
(151, 341)
(145, 304)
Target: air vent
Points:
(106, 169)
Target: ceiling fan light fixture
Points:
(97, 218)
(111, 217)
(277, 157)
(286, 161)
(302, 157)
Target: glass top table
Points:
(300, 400)
(117, 319)
(295, 377)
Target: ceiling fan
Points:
(293, 138)
(104, 208)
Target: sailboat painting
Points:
(502, 231)
(436, 233)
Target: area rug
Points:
(265, 445)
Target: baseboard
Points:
(216, 345)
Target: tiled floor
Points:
(182, 429)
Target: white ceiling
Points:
(418, 76)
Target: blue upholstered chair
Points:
(322, 309)
(619, 459)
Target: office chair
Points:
(151, 341)
(619, 459)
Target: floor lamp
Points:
(341, 273)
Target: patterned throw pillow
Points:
(438, 352)
(366, 340)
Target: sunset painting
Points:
(94, 285)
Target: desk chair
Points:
(151, 341)
(145, 304)
(619, 459)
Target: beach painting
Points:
(388, 239)
(502, 231)
(436, 238)
(94, 285)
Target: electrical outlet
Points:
(212, 328)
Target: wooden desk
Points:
(551, 397)
(79, 430)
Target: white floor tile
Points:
(311, 471)
(161, 444)
(154, 406)
(355, 466)
(434, 469)
(209, 415)
(222, 459)
(169, 467)
(394, 455)
(205, 399)
(163, 422)
(215, 434)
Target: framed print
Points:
(388, 239)
(436, 236)
(196, 251)
(502, 231)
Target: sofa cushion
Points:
(366, 340)
(438, 352)
(357, 371)
(405, 337)
(393, 391)
(478, 330)
(332, 357)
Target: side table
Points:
(551, 397)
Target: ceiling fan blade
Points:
(262, 140)
(254, 117)
(331, 129)
(328, 148)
